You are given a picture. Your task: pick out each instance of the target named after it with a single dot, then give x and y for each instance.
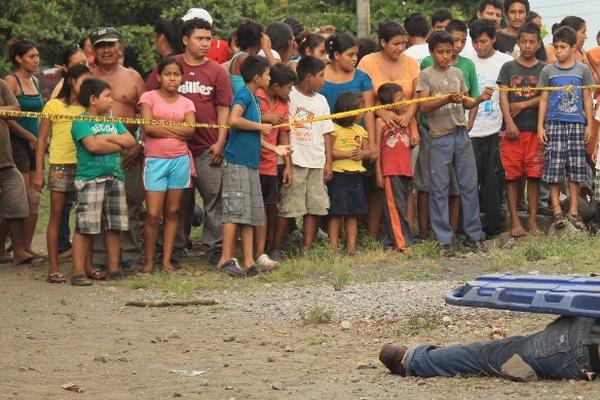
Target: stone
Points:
(345, 325)
(177, 394)
(103, 359)
(229, 338)
(175, 334)
(517, 369)
(355, 379)
(270, 359)
(228, 387)
(277, 386)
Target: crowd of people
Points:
(404, 172)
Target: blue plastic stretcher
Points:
(574, 295)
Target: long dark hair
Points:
(347, 101)
(71, 76)
(19, 49)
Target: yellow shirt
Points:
(62, 147)
(348, 139)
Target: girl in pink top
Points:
(167, 166)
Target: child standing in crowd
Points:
(250, 38)
(394, 169)
(458, 30)
(167, 160)
(486, 125)
(310, 163)
(350, 146)
(450, 144)
(243, 206)
(520, 149)
(313, 44)
(562, 124)
(63, 162)
(274, 110)
(101, 203)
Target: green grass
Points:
(316, 314)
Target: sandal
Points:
(56, 277)
(577, 221)
(81, 280)
(96, 274)
(559, 221)
(118, 275)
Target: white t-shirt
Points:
(418, 52)
(308, 140)
(275, 54)
(489, 115)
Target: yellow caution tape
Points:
(160, 122)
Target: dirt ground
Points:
(54, 335)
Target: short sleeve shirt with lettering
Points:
(447, 118)
(563, 105)
(91, 165)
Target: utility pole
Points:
(363, 17)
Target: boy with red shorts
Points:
(520, 150)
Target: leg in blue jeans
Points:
(560, 351)
(441, 153)
(466, 176)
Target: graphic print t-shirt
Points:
(489, 115)
(566, 105)
(515, 75)
(307, 139)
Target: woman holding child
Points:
(390, 65)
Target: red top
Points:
(395, 150)
(268, 159)
(207, 86)
(219, 51)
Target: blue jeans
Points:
(560, 351)
(453, 149)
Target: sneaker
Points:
(392, 356)
(448, 251)
(252, 270)
(214, 256)
(476, 246)
(232, 268)
(265, 263)
(321, 235)
(276, 255)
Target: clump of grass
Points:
(342, 278)
(316, 340)
(316, 314)
(420, 323)
(533, 252)
(425, 249)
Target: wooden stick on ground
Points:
(169, 303)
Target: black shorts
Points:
(23, 155)
(347, 194)
(270, 188)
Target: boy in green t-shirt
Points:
(101, 201)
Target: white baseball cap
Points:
(197, 13)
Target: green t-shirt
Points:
(468, 70)
(91, 165)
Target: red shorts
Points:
(522, 156)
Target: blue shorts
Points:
(162, 174)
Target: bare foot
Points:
(533, 228)
(517, 229)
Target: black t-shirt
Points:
(508, 44)
(515, 75)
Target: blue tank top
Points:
(29, 102)
(237, 82)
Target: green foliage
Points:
(57, 24)
(316, 314)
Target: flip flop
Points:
(27, 261)
(81, 280)
(96, 274)
(56, 277)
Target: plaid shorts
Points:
(101, 205)
(564, 155)
(242, 195)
